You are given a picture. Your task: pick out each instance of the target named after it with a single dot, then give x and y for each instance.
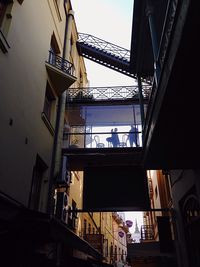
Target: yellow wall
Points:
(23, 83)
(119, 242)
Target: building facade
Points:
(39, 62)
(33, 50)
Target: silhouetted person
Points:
(133, 136)
(109, 139)
(115, 138)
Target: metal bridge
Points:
(107, 54)
(108, 93)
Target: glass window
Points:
(48, 102)
(2, 11)
(5, 16)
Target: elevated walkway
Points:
(99, 126)
(108, 94)
(107, 54)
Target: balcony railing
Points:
(107, 93)
(102, 139)
(60, 63)
(147, 233)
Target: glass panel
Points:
(104, 115)
(105, 126)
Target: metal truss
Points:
(107, 54)
(107, 93)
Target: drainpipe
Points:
(58, 137)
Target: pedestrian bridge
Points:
(104, 117)
(104, 125)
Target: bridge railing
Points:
(107, 47)
(107, 93)
(102, 139)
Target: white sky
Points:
(110, 20)
(133, 216)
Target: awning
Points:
(19, 224)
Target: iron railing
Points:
(102, 139)
(107, 54)
(107, 93)
(147, 232)
(60, 63)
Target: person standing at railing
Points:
(109, 139)
(132, 137)
(115, 138)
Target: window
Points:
(89, 228)
(38, 174)
(48, 102)
(74, 215)
(5, 15)
(156, 191)
(2, 11)
(56, 4)
(115, 253)
(122, 256)
(54, 51)
(49, 109)
(111, 253)
(71, 47)
(84, 226)
(54, 48)
(5, 21)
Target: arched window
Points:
(191, 209)
(191, 220)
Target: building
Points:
(30, 94)
(38, 47)
(163, 43)
(157, 235)
(40, 59)
(119, 244)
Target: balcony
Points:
(95, 240)
(61, 72)
(147, 233)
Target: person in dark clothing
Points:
(133, 133)
(109, 139)
(115, 138)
